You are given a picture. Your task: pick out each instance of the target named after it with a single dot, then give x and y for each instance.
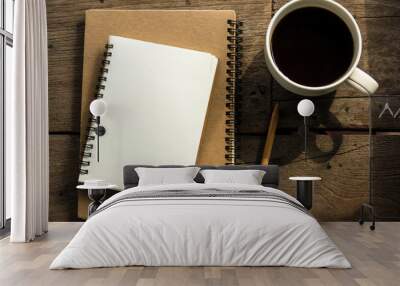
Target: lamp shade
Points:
(305, 107)
(98, 107)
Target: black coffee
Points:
(312, 46)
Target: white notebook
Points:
(157, 98)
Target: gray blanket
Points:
(201, 194)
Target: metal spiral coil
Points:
(85, 163)
(89, 146)
(91, 130)
(100, 86)
(87, 154)
(233, 65)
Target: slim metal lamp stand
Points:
(305, 137)
(369, 207)
(98, 138)
(99, 132)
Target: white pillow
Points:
(166, 176)
(248, 177)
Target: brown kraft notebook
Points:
(213, 31)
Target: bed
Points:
(198, 224)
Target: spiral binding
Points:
(233, 64)
(91, 130)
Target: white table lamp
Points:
(305, 108)
(98, 107)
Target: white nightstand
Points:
(305, 189)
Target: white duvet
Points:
(200, 231)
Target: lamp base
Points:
(100, 131)
(371, 209)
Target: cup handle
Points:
(363, 82)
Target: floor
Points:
(375, 257)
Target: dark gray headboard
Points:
(271, 177)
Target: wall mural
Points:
(338, 140)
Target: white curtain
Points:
(27, 140)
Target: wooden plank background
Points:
(339, 137)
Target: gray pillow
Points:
(166, 176)
(248, 177)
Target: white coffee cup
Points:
(353, 76)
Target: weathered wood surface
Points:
(339, 114)
(65, 42)
(381, 56)
(64, 168)
(386, 174)
(330, 113)
(341, 161)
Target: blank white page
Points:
(157, 98)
